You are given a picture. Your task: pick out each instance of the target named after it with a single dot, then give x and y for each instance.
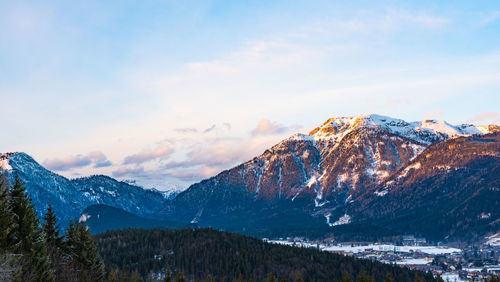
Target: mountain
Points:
(70, 197)
(351, 176)
(451, 189)
(314, 180)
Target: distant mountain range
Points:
(70, 197)
(360, 175)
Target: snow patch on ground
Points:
(84, 217)
(345, 219)
(493, 240)
(432, 250)
(381, 193)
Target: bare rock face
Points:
(320, 174)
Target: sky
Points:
(171, 92)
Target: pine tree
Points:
(270, 277)
(418, 278)
(53, 242)
(388, 277)
(112, 276)
(345, 277)
(82, 250)
(168, 275)
(6, 220)
(26, 237)
(180, 277)
(51, 230)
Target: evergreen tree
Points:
(81, 249)
(112, 276)
(363, 277)
(53, 242)
(180, 277)
(26, 237)
(345, 277)
(388, 277)
(270, 277)
(418, 278)
(52, 231)
(6, 220)
(168, 275)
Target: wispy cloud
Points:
(97, 158)
(186, 130)
(210, 129)
(266, 127)
(486, 117)
(433, 114)
(147, 155)
(128, 171)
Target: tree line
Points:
(211, 255)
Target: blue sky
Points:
(170, 92)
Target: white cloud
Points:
(147, 155)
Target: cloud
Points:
(97, 158)
(205, 161)
(210, 129)
(486, 117)
(128, 171)
(186, 130)
(147, 155)
(266, 127)
(195, 174)
(433, 114)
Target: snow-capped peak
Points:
(425, 132)
(4, 161)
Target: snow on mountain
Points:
(493, 240)
(70, 197)
(425, 132)
(326, 169)
(171, 192)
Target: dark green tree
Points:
(80, 247)
(26, 237)
(345, 277)
(6, 220)
(388, 277)
(168, 275)
(180, 277)
(112, 276)
(53, 242)
(270, 277)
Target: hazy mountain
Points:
(70, 197)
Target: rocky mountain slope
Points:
(313, 180)
(451, 189)
(70, 197)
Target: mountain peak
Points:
(425, 132)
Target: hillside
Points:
(100, 218)
(450, 190)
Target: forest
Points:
(211, 255)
